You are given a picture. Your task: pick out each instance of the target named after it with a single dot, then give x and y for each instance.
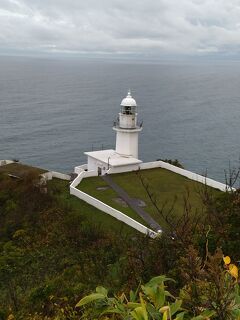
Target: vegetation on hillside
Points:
(153, 301)
(54, 250)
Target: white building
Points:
(125, 157)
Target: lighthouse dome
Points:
(128, 101)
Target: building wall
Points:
(127, 143)
(94, 164)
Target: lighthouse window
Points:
(127, 110)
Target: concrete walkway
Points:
(132, 203)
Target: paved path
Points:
(132, 203)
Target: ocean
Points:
(52, 110)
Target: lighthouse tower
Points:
(127, 128)
(125, 157)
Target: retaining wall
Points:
(106, 208)
(81, 168)
(54, 174)
(60, 175)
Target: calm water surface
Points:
(51, 111)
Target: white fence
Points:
(106, 208)
(188, 174)
(122, 169)
(81, 168)
(60, 175)
(54, 174)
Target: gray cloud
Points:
(147, 27)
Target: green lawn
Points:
(20, 169)
(170, 190)
(108, 196)
(61, 189)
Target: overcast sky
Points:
(153, 28)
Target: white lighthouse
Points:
(127, 128)
(125, 157)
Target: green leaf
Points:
(120, 306)
(90, 298)
(102, 290)
(133, 296)
(160, 298)
(133, 305)
(180, 316)
(158, 280)
(236, 313)
(208, 313)
(168, 294)
(156, 295)
(153, 312)
(205, 314)
(140, 313)
(174, 307)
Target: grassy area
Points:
(170, 189)
(98, 188)
(61, 189)
(19, 169)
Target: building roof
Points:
(129, 101)
(112, 158)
